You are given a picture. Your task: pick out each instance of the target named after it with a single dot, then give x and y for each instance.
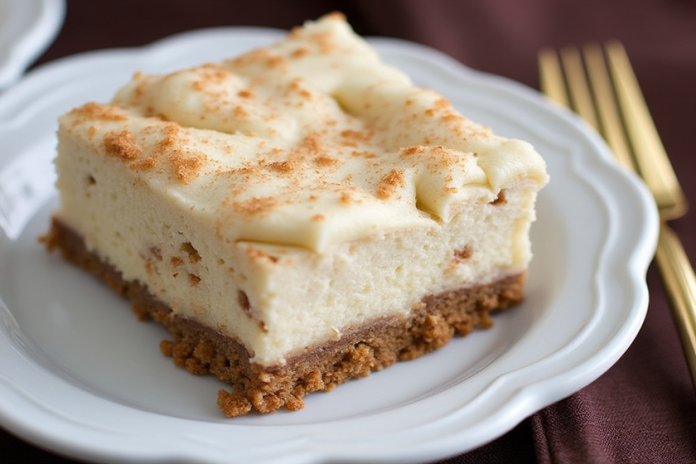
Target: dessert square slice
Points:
(296, 217)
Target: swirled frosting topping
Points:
(310, 142)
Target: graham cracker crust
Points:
(202, 350)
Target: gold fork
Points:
(609, 99)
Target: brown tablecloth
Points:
(643, 410)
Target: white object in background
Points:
(27, 28)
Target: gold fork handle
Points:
(680, 282)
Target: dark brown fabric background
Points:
(643, 410)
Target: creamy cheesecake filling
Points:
(278, 300)
(294, 192)
(201, 349)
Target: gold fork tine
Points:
(650, 155)
(642, 146)
(551, 77)
(604, 96)
(578, 89)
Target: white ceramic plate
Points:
(79, 375)
(27, 27)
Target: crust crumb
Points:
(233, 404)
(167, 348)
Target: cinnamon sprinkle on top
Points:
(389, 183)
(186, 168)
(94, 110)
(255, 206)
(325, 160)
(144, 164)
(122, 145)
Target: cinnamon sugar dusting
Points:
(187, 168)
(312, 144)
(346, 197)
(145, 164)
(413, 150)
(352, 136)
(363, 154)
(93, 110)
(325, 161)
(300, 52)
(284, 167)
(258, 57)
(171, 132)
(323, 41)
(122, 145)
(390, 183)
(256, 254)
(336, 16)
(442, 103)
(254, 206)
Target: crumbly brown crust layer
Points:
(202, 350)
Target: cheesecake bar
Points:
(297, 216)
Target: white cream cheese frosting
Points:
(310, 142)
(307, 159)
